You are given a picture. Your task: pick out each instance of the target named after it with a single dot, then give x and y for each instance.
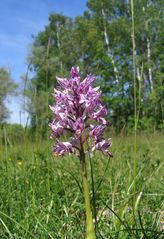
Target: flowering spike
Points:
(77, 104)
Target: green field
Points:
(41, 194)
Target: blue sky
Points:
(19, 20)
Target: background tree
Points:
(7, 86)
(99, 42)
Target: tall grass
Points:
(30, 208)
(135, 100)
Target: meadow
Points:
(41, 194)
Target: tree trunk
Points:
(109, 51)
(149, 69)
(58, 43)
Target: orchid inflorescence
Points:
(79, 110)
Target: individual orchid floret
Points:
(100, 113)
(63, 147)
(103, 146)
(79, 126)
(79, 110)
(96, 132)
(57, 127)
(75, 72)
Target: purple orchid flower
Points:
(79, 110)
(97, 132)
(103, 146)
(77, 104)
(63, 147)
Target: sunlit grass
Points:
(41, 195)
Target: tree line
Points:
(100, 43)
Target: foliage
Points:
(12, 134)
(6, 87)
(99, 42)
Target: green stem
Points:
(89, 220)
(135, 102)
